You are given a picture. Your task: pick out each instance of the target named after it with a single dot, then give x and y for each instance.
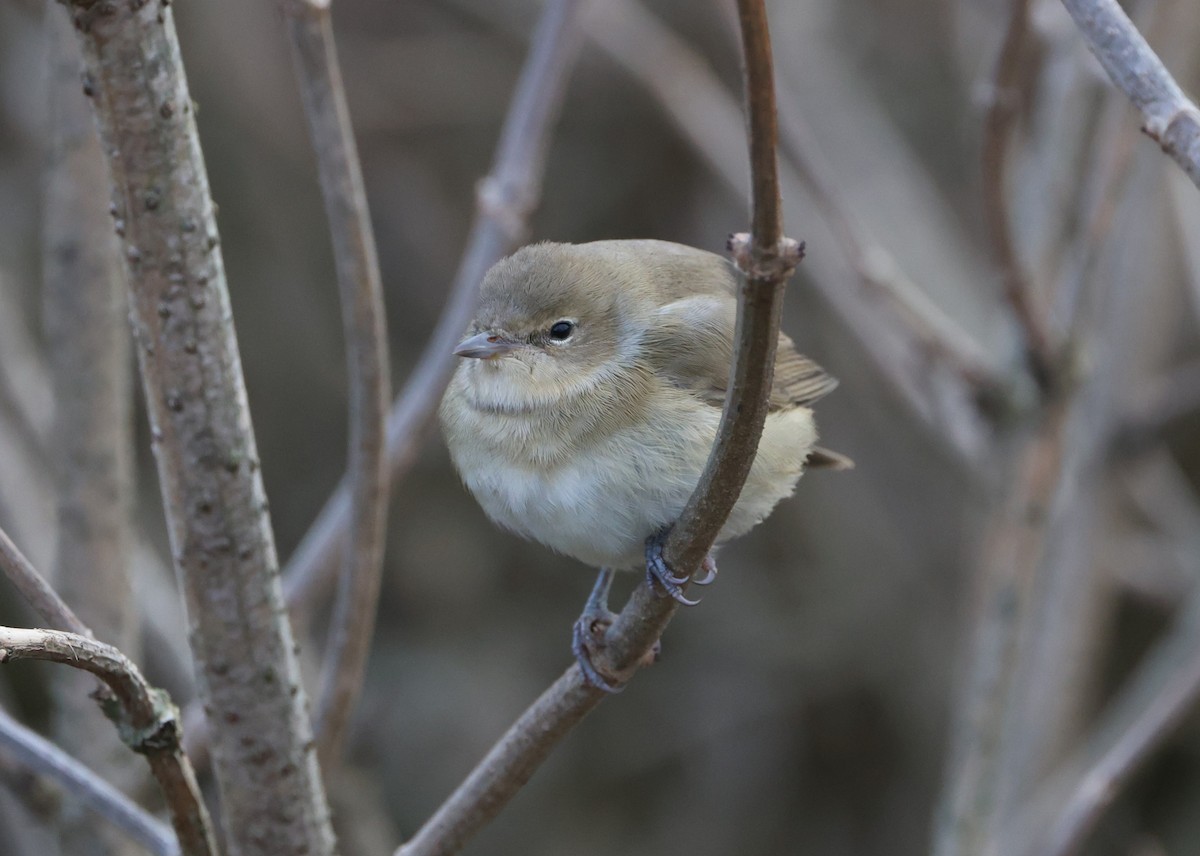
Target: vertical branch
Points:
(353, 624)
(220, 534)
(88, 346)
(767, 259)
(505, 198)
(998, 125)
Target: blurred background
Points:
(807, 705)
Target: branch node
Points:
(508, 203)
(765, 264)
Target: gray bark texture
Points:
(220, 534)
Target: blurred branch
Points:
(40, 755)
(152, 727)
(1171, 118)
(311, 34)
(1008, 93)
(767, 259)
(1167, 399)
(213, 498)
(504, 201)
(1013, 548)
(87, 342)
(37, 592)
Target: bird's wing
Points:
(690, 343)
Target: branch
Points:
(1171, 118)
(37, 592)
(998, 125)
(145, 718)
(311, 33)
(213, 498)
(767, 259)
(504, 201)
(40, 755)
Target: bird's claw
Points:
(587, 636)
(709, 569)
(662, 578)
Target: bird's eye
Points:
(562, 330)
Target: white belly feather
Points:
(598, 502)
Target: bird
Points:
(588, 398)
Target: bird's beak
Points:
(485, 346)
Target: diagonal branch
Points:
(311, 32)
(767, 259)
(37, 753)
(144, 710)
(1171, 118)
(505, 199)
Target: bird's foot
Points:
(662, 579)
(588, 635)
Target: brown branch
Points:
(220, 533)
(1171, 118)
(767, 260)
(998, 125)
(39, 755)
(505, 199)
(310, 30)
(145, 718)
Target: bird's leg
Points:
(590, 628)
(662, 578)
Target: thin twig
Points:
(1171, 118)
(311, 34)
(998, 125)
(264, 758)
(35, 590)
(145, 718)
(38, 754)
(505, 198)
(767, 259)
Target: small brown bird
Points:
(591, 398)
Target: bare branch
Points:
(37, 592)
(1006, 97)
(146, 720)
(220, 534)
(40, 755)
(1056, 818)
(311, 33)
(1171, 118)
(505, 199)
(768, 259)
